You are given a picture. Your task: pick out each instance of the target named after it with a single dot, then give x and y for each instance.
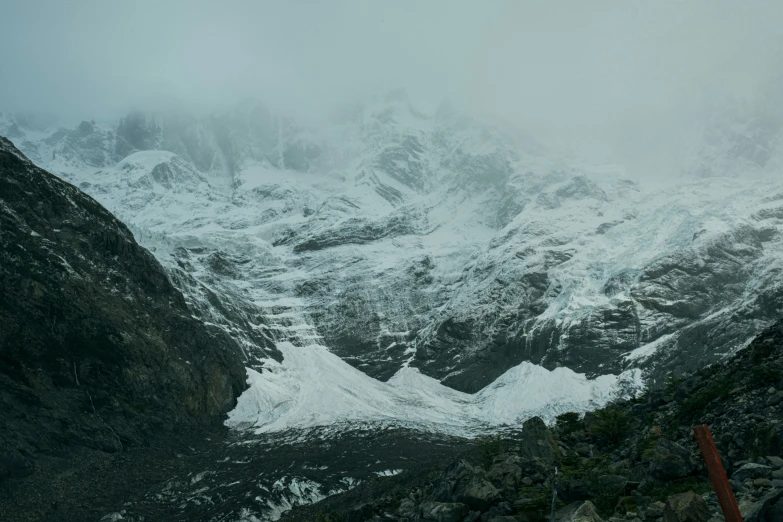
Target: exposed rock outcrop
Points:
(97, 348)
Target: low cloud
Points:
(611, 80)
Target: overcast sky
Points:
(578, 71)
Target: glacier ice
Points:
(312, 387)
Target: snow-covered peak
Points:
(403, 239)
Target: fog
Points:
(608, 79)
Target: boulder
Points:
(584, 449)
(537, 442)
(686, 507)
(478, 493)
(605, 484)
(752, 471)
(443, 511)
(407, 508)
(500, 510)
(584, 512)
(506, 474)
(757, 511)
(775, 461)
(670, 461)
(463, 483)
(654, 511)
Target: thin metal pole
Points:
(720, 482)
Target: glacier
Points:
(312, 388)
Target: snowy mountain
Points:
(437, 252)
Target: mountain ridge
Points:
(469, 252)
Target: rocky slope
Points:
(97, 348)
(635, 460)
(397, 237)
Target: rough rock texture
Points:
(465, 484)
(443, 512)
(655, 510)
(97, 348)
(757, 509)
(584, 513)
(538, 443)
(670, 461)
(686, 507)
(751, 471)
(612, 464)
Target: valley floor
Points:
(217, 475)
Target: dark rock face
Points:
(97, 348)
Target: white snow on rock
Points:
(405, 238)
(388, 472)
(314, 388)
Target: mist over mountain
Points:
(423, 220)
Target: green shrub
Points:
(568, 423)
(766, 374)
(589, 472)
(612, 425)
(699, 400)
(672, 383)
(330, 516)
(571, 459)
(647, 446)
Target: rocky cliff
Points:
(97, 348)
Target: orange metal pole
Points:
(720, 482)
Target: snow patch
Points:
(388, 472)
(312, 387)
(648, 350)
